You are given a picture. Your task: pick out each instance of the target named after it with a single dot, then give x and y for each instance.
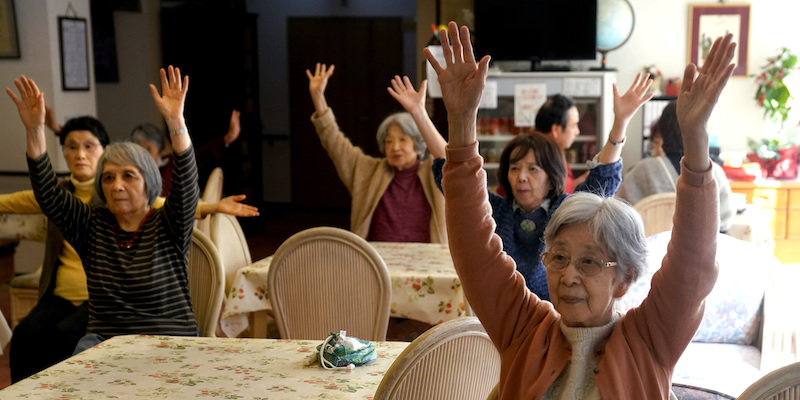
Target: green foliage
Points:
(772, 93)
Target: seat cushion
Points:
(726, 368)
(733, 309)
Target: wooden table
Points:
(425, 287)
(133, 366)
(780, 202)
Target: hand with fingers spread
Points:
(31, 107)
(462, 80)
(170, 103)
(697, 98)
(403, 91)
(317, 83)
(414, 102)
(627, 104)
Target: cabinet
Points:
(780, 201)
(592, 91)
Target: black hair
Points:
(554, 111)
(85, 123)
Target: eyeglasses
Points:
(587, 266)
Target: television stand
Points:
(553, 67)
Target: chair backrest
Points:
(213, 191)
(326, 279)
(211, 194)
(206, 282)
(656, 211)
(782, 383)
(227, 235)
(453, 360)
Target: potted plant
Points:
(777, 154)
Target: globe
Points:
(614, 25)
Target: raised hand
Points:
(697, 98)
(403, 91)
(31, 107)
(234, 128)
(317, 82)
(414, 102)
(627, 104)
(462, 80)
(231, 205)
(30, 103)
(50, 119)
(170, 103)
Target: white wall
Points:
(127, 103)
(660, 37)
(37, 29)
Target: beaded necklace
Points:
(130, 242)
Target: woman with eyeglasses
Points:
(578, 346)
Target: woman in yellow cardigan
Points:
(394, 198)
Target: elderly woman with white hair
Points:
(135, 255)
(578, 346)
(394, 198)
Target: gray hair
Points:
(617, 226)
(406, 122)
(148, 133)
(130, 154)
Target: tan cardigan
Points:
(636, 361)
(368, 177)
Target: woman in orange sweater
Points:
(579, 346)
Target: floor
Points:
(265, 234)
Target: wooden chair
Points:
(227, 235)
(782, 383)
(326, 279)
(211, 194)
(656, 211)
(453, 360)
(206, 282)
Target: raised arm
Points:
(414, 102)
(624, 108)
(50, 119)
(170, 103)
(697, 98)
(30, 105)
(317, 82)
(231, 205)
(234, 128)
(462, 80)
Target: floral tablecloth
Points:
(132, 366)
(425, 286)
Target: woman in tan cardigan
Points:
(394, 198)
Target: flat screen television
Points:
(536, 30)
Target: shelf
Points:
(585, 138)
(491, 165)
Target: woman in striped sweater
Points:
(135, 255)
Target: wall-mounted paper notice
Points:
(528, 98)
(489, 95)
(434, 90)
(582, 87)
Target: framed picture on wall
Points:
(711, 20)
(74, 44)
(9, 42)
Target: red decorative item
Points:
(747, 172)
(785, 167)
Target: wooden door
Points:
(367, 53)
